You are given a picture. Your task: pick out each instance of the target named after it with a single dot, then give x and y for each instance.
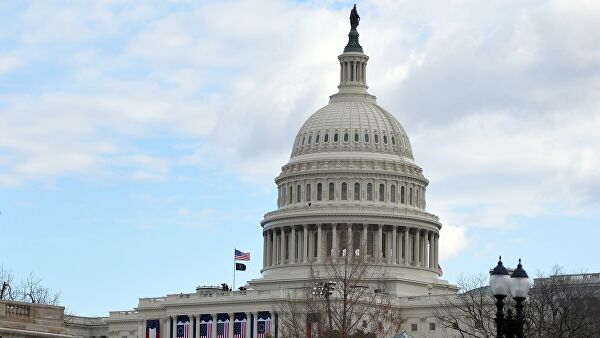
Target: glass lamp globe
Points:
(500, 280)
(519, 282)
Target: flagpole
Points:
(233, 287)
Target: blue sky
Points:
(139, 141)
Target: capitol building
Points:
(351, 187)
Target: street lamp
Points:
(325, 289)
(517, 285)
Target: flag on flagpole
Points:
(241, 256)
(152, 328)
(440, 271)
(240, 267)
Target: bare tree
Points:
(357, 302)
(558, 306)
(29, 289)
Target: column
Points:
(269, 248)
(394, 245)
(264, 249)
(255, 320)
(416, 248)
(424, 250)
(319, 243)
(405, 248)
(275, 247)
(293, 246)
(334, 241)
(164, 329)
(213, 327)
(197, 325)
(349, 246)
(173, 326)
(379, 242)
(248, 324)
(141, 333)
(283, 245)
(437, 253)
(231, 319)
(305, 244)
(430, 249)
(365, 236)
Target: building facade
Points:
(351, 187)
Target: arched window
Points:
(356, 191)
(319, 192)
(369, 191)
(326, 138)
(384, 139)
(309, 138)
(331, 191)
(291, 194)
(393, 194)
(376, 138)
(393, 141)
(298, 193)
(287, 248)
(418, 200)
(308, 193)
(381, 193)
(344, 191)
(317, 138)
(345, 137)
(370, 243)
(356, 137)
(366, 138)
(335, 137)
(410, 194)
(303, 139)
(402, 195)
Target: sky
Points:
(139, 140)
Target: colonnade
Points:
(168, 325)
(383, 244)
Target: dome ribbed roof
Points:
(361, 126)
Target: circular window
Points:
(376, 138)
(385, 139)
(326, 138)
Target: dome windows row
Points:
(308, 139)
(407, 194)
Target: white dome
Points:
(361, 127)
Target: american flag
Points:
(223, 329)
(152, 328)
(313, 330)
(205, 328)
(241, 256)
(183, 329)
(239, 328)
(264, 328)
(440, 271)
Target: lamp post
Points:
(517, 285)
(325, 290)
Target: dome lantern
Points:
(353, 62)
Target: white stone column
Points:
(319, 243)
(365, 236)
(164, 328)
(430, 237)
(293, 245)
(424, 250)
(141, 332)
(174, 326)
(416, 247)
(394, 245)
(213, 329)
(379, 242)
(197, 321)
(283, 245)
(349, 246)
(269, 247)
(231, 319)
(275, 248)
(305, 245)
(437, 253)
(265, 240)
(334, 241)
(248, 324)
(406, 248)
(255, 320)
